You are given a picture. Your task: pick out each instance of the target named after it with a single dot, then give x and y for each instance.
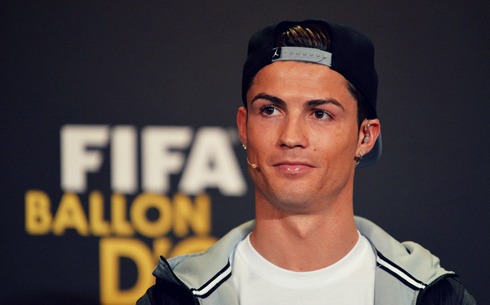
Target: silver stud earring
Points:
(244, 146)
(359, 159)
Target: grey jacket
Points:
(404, 273)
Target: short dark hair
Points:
(315, 35)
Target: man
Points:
(309, 118)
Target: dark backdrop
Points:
(139, 64)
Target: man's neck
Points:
(304, 241)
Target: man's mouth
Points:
(293, 167)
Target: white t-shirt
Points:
(349, 281)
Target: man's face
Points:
(301, 131)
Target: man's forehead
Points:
(313, 81)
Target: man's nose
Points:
(293, 133)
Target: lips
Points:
(293, 168)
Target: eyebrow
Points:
(268, 97)
(312, 103)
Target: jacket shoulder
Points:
(447, 291)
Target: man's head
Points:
(307, 87)
(343, 49)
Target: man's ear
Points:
(241, 121)
(368, 134)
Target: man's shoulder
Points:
(408, 257)
(416, 267)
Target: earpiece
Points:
(366, 131)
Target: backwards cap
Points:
(351, 54)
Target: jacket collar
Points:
(403, 268)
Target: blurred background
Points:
(119, 143)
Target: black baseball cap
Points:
(351, 54)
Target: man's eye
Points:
(269, 110)
(320, 114)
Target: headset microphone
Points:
(254, 166)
